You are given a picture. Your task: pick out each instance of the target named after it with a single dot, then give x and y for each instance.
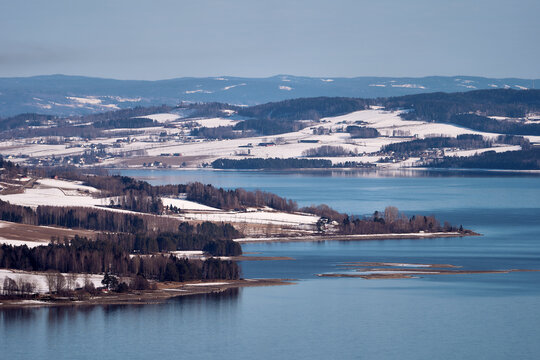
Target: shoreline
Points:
(366, 170)
(164, 292)
(355, 237)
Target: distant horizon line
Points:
(227, 77)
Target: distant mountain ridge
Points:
(78, 95)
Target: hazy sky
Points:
(158, 39)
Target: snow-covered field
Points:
(256, 217)
(189, 254)
(40, 279)
(216, 122)
(290, 145)
(29, 244)
(63, 184)
(479, 151)
(147, 141)
(162, 118)
(35, 197)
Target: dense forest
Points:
(81, 255)
(130, 123)
(304, 108)
(509, 160)
(484, 123)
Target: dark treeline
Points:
(285, 163)
(211, 109)
(25, 120)
(81, 255)
(415, 147)
(328, 151)
(509, 160)
(484, 123)
(84, 218)
(125, 113)
(131, 123)
(269, 127)
(237, 198)
(362, 132)
(304, 108)
(271, 163)
(220, 132)
(441, 106)
(62, 131)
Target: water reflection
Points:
(215, 177)
(58, 316)
(8, 316)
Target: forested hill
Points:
(76, 95)
(472, 109)
(441, 106)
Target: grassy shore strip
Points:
(357, 237)
(412, 273)
(164, 292)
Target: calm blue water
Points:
(488, 316)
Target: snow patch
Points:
(85, 100)
(64, 184)
(186, 204)
(233, 86)
(161, 118)
(198, 91)
(409, 86)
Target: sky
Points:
(160, 39)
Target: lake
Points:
(482, 316)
